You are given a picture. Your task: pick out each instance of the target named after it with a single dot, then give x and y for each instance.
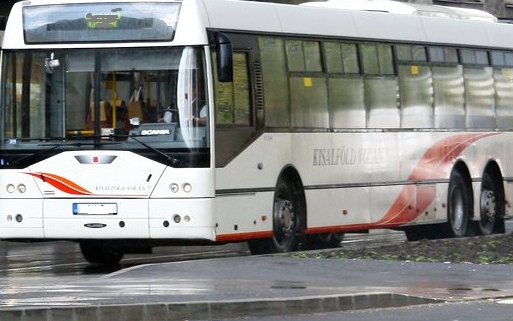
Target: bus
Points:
(131, 124)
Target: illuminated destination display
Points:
(102, 22)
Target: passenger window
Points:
(295, 55)
(274, 72)
(303, 56)
(474, 57)
(233, 105)
(443, 55)
(377, 59)
(312, 56)
(370, 59)
(341, 58)
(449, 98)
(497, 58)
(416, 88)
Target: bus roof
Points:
(308, 20)
(391, 6)
(372, 25)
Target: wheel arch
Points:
(492, 168)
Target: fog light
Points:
(177, 218)
(22, 188)
(174, 188)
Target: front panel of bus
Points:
(105, 124)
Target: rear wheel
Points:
(459, 206)
(490, 200)
(100, 254)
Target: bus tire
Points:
(100, 254)
(288, 219)
(459, 206)
(490, 200)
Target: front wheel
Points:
(100, 254)
(289, 222)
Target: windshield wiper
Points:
(173, 162)
(44, 151)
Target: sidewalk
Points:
(256, 285)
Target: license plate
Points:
(95, 208)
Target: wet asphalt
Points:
(247, 286)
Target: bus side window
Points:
(502, 63)
(380, 83)
(345, 85)
(449, 98)
(233, 109)
(415, 86)
(307, 84)
(232, 99)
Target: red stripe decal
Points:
(244, 236)
(61, 183)
(436, 163)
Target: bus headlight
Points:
(187, 188)
(10, 188)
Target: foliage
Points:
(495, 249)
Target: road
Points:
(65, 259)
(23, 266)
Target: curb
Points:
(215, 309)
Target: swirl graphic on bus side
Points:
(436, 163)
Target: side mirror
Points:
(3, 22)
(224, 58)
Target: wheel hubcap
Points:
(488, 206)
(286, 216)
(458, 211)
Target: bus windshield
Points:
(122, 96)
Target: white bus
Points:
(131, 124)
